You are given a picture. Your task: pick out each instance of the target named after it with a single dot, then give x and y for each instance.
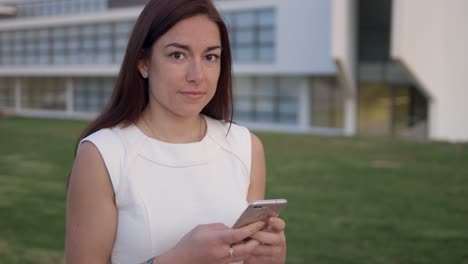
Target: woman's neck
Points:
(171, 128)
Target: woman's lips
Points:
(192, 94)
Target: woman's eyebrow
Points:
(187, 48)
(213, 48)
(178, 45)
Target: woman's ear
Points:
(143, 68)
(143, 65)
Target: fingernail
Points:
(260, 225)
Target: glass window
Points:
(266, 36)
(6, 51)
(327, 101)
(104, 44)
(265, 110)
(266, 100)
(43, 46)
(264, 94)
(123, 28)
(229, 19)
(92, 94)
(252, 35)
(59, 7)
(245, 53)
(244, 37)
(43, 93)
(288, 107)
(88, 44)
(18, 56)
(46, 9)
(62, 8)
(121, 35)
(243, 104)
(30, 47)
(73, 45)
(264, 86)
(7, 93)
(266, 18)
(60, 46)
(245, 19)
(266, 54)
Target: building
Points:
(403, 65)
(325, 66)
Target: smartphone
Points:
(260, 210)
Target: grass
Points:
(351, 200)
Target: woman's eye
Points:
(177, 55)
(212, 57)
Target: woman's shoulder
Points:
(103, 134)
(113, 139)
(228, 132)
(112, 146)
(225, 126)
(233, 138)
(118, 135)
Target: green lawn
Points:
(352, 200)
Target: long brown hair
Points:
(131, 96)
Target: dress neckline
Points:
(176, 154)
(160, 142)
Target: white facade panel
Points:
(74, 19)
(429, 38)
(344, 43)
(60, 70)
(303, 37)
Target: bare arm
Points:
(91, 212)
(272, 249)
(257, 171)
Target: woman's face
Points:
(184, 67)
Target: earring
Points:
(145, 75)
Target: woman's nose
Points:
(195, 72)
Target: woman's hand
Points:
(272, 249)
(212, 243)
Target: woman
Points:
(162, 174)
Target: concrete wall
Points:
(344, 33)
(430, 39)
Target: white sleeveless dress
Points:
(163, 190)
